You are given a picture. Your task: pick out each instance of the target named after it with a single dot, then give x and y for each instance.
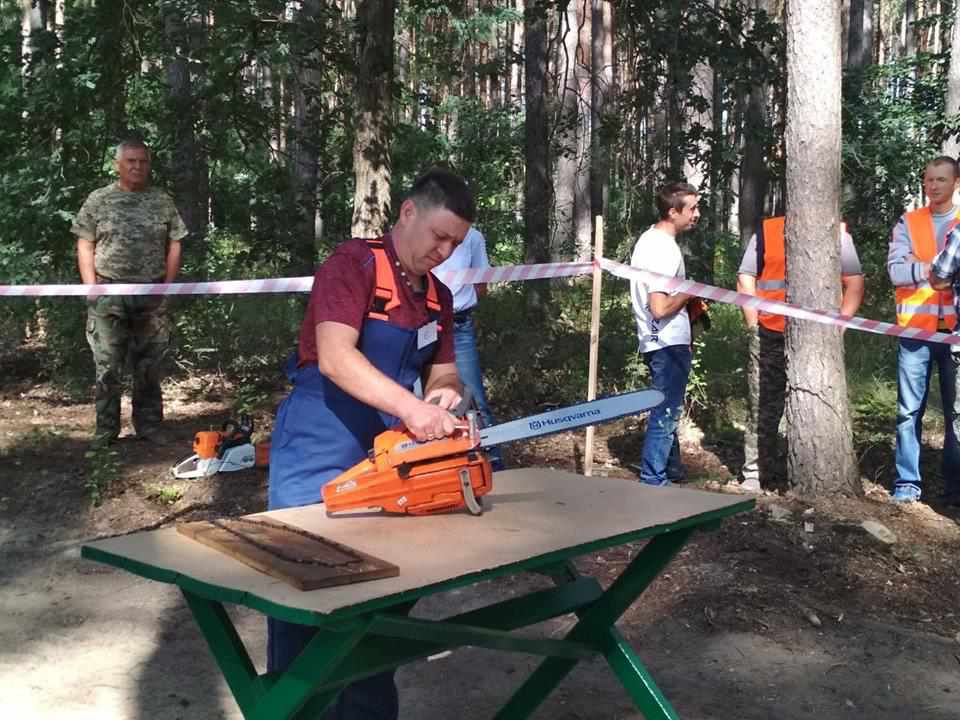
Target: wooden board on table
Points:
(302, 559)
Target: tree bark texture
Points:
(820, 457)
(951, 143)
(565, 135)
(582, 215)
(188, 162)
(307, 135)
(371, 145)
(601, 75)
(536, 150)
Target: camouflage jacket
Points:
(130, 232)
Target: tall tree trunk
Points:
(29, 21)
(820, 458)
(601, 75)
(582, 216)
(565, 137)
(305, 148)
(753, 169)
(371, 145)
(516, 47)
(858, 42)
(189, 164)
(536, 151)
(951, 143)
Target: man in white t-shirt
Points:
(663, 327)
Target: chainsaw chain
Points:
(280, 554)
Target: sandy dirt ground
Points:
(789, 612)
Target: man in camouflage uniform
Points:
(128, 232)
(762, 272)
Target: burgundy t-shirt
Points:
(343, 288)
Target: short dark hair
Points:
(945, 160)
(439, 187)
(670, 197)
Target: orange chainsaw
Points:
(405, 476)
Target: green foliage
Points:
(103, 467)
(246, 337)
(164, 494)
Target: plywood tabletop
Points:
(531, 514)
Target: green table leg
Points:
(637, 679)
(282, 696)
(227, 649)
(595, 626)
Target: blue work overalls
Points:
(320, 432)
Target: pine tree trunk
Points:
(308, 128)
(189, 163)
(536, 152)
(820, 458)
(582, 215)
(601, 73)
(371, 145)
(951, 144)
(562, 243)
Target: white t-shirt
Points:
(657, 251)
(471, 253)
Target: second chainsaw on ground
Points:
(406, 476)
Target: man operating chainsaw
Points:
(377, 320)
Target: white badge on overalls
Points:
(427, 335)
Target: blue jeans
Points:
(915, 361)
(468, 367)
(669, 370)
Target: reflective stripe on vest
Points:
(921, 306)
(772, 282)
(385, 295)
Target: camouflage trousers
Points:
(117, 328)
(763, 460)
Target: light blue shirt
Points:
(471, 253)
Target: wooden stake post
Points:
(594, 340)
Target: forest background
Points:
(282, 128)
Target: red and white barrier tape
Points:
(772, 306)
(508, 273)
(219, 287)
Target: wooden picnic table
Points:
(535, 520)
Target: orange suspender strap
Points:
(385, 295)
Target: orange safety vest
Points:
(772, 279)
(921, 306)
(385, 296)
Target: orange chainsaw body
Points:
(404, 476)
